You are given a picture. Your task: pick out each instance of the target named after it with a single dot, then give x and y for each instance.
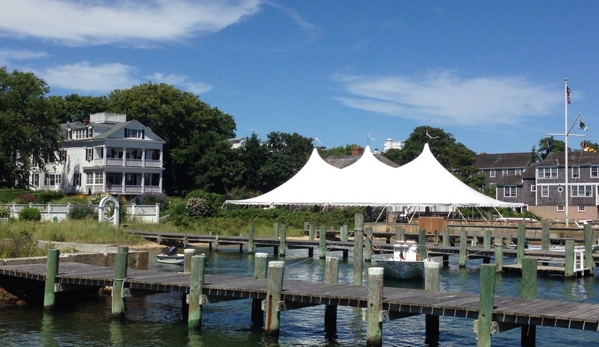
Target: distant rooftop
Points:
(105, 117)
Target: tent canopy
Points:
(368, 182)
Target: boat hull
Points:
(402, 270)
(177, 259)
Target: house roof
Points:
(503, 160)
(578, 158)
(109, 128)
(515, 180)
(341, 161)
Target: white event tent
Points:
(369, 182)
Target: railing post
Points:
(121, 260)
(273, 304)
(51, 272)
(358, 248)
(374, 307)
(198, 264)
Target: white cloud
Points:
(7, 56)
(447, 99)
(181, 82)
(82, 23)
(84, 76)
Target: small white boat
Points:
(169, 255)
(405, 263)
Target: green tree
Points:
(287, 154)
(28, 133)
(72, 108)
(341, 150)
(549, 144)
(454, 156)
(253, 155)
(394, 155)
(184, 122)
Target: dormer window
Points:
(90, 131)
(134, 133)
(69, 134)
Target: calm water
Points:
(155, 320)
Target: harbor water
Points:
(156, 320)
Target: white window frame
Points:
(560, 208)
(575, 171)
(533, 188)
(518, 172)
(544, 191)
(505, 172)
(547, 173)
(89, 154)
(581, 190)
(582, 208)
(510, 192)
(53, 179)
(492, 173)
(594, 171)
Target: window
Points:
(575, 171)
(99, 179)
(518, 171)
(89, 154)
(89, 178)
(52, 179)
(533, 188)
(77, 179)
(504, 172)
(62, 155)
(35, 180)
(90, 131)
(544, 191)
(560, 208)
(509, 192)
(69, 134)
(134, 133)
(581, 190)
(594, 171)
(548, 172)
(582, 208)
(492, 173)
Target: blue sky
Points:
(491, 73)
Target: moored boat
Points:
(169, 255)
(404, 263)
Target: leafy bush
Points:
(30, 214)
(153, 198)
(10, 195)
(4, 212)
(215, 200)
(45, 196)
(97, 197)
(198, 207)
(81, 211)
(25, 198)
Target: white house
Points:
(105, 154)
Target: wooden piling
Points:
(343, 236)
(120, 274)
(358, 248)
(432, 284)
(474, 242)
(374, 324)
(400, 234)
(545, 236)
(251, 238)
(273, 304)
(521, 242)
(529, 292)
(330, 311)
(51, 272)
(322, 242)
(216, 244)
(485, 309)
(570, 259)
(436, 238)
(422, 243)
(446, 240)
(187, 254)
(196, 284)
(498, 254)
(276, 230)
(463, 250)
(368, 244)
(311, 232)
(283, 241)
(589, 262)
(260, 266)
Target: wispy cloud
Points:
(81, 23)
(444, 98)
(8, 56)
(181, 82)
(86, 77)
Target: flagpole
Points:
(566, 143)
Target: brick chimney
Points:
(86, 121)
(357, 151)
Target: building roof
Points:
(577, 158)
(503, 160)
(341, 161)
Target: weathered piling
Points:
(570, 259)
(400, 233)
(358, 248)
(487, 238)
(422, 243)
(260, 266)
(463, 250)
(374, 307)
(276, 230)
(474, 241)
(529, 292)
(187, 254)
(195, 298)
(436, 238)
(273, 304)
(251, 238)
(446, 240)
(322, 242)
(343, 236)
(485, 309)
(589, 262)
(432, 284)
(545, 236)
(51, 272)
(330, 311)
(521, 242)
(120, 274)
(311, 232)
(283, 241)
(368, 244)
(498, 254)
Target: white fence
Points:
(58, 212)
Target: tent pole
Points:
(380, 214)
